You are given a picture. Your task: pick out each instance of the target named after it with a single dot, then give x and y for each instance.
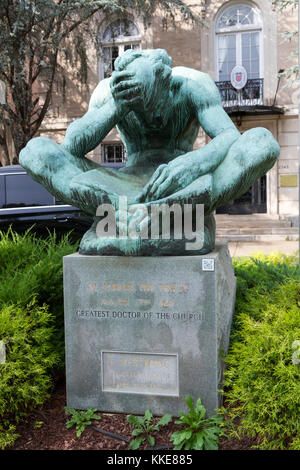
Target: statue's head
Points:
(153, 68)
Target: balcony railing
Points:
(251, 95)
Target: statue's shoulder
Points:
(199, 85)
(101, 94)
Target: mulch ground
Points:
(53, 434)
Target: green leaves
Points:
(31, 291)
(80, 419)
(180, 437)
(164, 420)
(144, 426)
(135, 443)
(43, 41)
(199, 432)
(262, 379)
(28, 334)
(291, 72)
(148, 418)
(136, 421)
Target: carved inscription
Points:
(129, 301)
(88, 313)
(144, 373)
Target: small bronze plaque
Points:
(143, 373)
(288, 181)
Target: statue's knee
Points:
(261, 142)
(32, 151)
(263, 138)
(37, 154)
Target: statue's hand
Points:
(168, 179)
(126, 91)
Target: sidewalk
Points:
(248, 248)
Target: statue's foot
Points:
(95, 242)
(92, 244)
(197, 192)
(104, 186)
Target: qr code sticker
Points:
(208, 265)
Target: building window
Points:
(239, 36)
(239, 39)
(116, 39)
(113, 153)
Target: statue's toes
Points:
(89, 196)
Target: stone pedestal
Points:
(143, 332)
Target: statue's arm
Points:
(84, 134)
(219, 127)
(205, 99)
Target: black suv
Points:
(23, 202)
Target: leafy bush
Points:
(31, 267)
(257, 278)
(262, 380)
(25, 376)
(30, 278)
(144, 427)
(80, 419)
(7, 436)
(199, 433)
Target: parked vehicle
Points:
(24, 202)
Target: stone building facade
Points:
(245, 33)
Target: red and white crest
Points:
(238, 77)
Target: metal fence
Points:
(251, 95)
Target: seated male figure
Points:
(158, 112)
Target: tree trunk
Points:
(4, 160)
(13, 158)
(8, 155)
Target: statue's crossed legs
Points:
(86, 185)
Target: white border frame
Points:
(139, 393)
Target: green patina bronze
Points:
(158, 111)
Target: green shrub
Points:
(257, 278)
(31, 322)
(31, 267)
(7, 436)
(199, 433)
(80, 419)
(30, 356)
(144, 426)
(262, 382)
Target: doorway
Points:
(253, 201)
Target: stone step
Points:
(257, 231)
(244, 222)
(247, 217)
(254, 227)
(256, 237)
